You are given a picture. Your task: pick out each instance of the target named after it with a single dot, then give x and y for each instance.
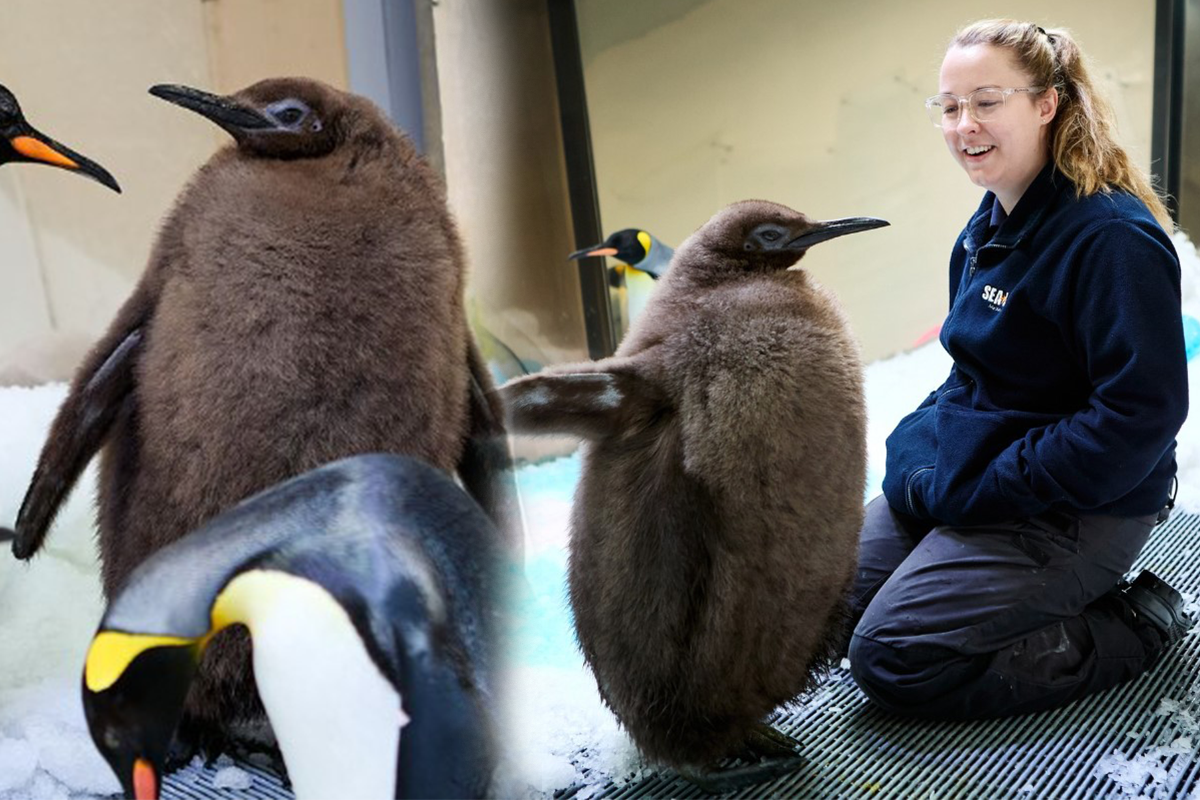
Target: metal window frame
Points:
(391, 59)
(581, 174)
(1166, 136)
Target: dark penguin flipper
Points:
(445, 748)
(79, 430)
(592, 405)
(486, 466)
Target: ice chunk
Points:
(232, 778)
(18, 760)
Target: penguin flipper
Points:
(486, 466)
(592, 405)
(78, 431)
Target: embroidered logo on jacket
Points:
(994, 297)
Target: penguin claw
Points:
(768, 742)
(717, 780)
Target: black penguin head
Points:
(19, 142)
(629, 245)
(626, 245)
(134, 688)
(756, 235)
(275, 118)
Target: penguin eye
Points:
(771, 236)
(289, 116)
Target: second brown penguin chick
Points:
(714, 533)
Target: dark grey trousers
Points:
(985, 621)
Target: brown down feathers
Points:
(715, 526)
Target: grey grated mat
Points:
(1139, 739)
(195, 782)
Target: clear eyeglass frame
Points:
(981, 104)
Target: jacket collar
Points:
(1024, 219)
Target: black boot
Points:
(1155, 603)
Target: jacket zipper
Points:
(908, 489)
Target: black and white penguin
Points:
(303, 303)
(644, 260)
(715, 528)
(371, 589)
(20, 142)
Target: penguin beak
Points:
(594, 250)
(237, 119)
(143, 784)
(833, 228)
(34, 147)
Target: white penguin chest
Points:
(336, 717)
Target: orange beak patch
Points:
(603, 251)
(40, 151)
(145, 782)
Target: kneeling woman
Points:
(1019, 492)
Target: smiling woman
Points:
(1019, 492)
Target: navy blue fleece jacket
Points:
(1069, 381)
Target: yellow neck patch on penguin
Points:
(644, 240)
(111, 653)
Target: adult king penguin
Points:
(21, 143)
(303, 303)
(370, 588)
(644, 261)
(715, 526)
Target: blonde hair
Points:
(1082, 134)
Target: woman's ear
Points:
(1048, 105)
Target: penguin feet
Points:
(251, 741)
(767, 754)
(194, 738)
(768, 742)
(721, 780)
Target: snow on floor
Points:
(556, 729)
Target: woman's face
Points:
(1006, 152)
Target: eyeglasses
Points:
(981, 104)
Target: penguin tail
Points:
(7, 534)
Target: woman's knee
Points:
(903, 680)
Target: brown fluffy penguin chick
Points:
(303, 303)
(715, 526)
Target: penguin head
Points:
(21, 143)
(276, 118)
(629, 245)
(134, 687)
(757, 235)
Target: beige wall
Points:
(818, 106)
(507, 181)
(71, 248)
